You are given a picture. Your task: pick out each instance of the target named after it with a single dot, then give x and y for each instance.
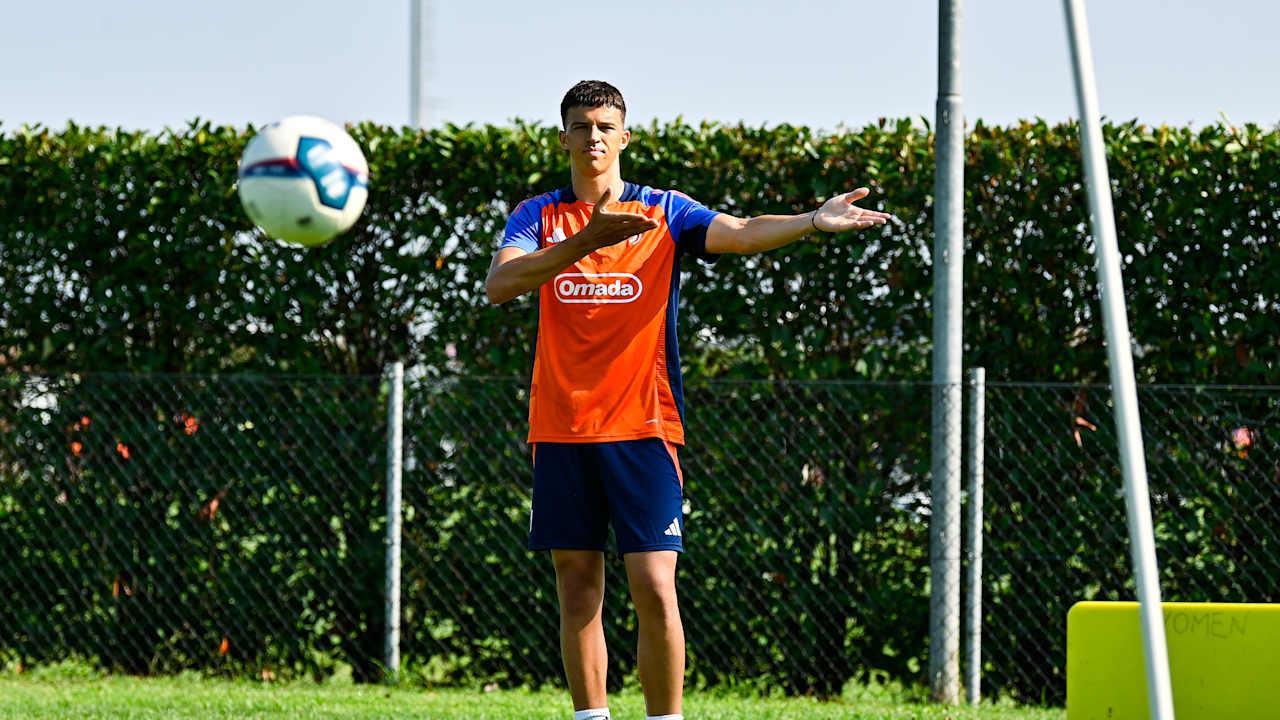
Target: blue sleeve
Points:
(524, 227)
(688, 221)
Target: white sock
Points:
(664, 717)
(596, 714)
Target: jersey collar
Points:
(630, 191)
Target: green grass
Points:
(77, 694)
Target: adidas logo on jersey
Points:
(597, 287)
(673, 528)
(557, 236)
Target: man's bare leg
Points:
(660, 651)
(580, 588)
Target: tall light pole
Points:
(948, 299)
(420, 66)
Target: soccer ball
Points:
(303, 180)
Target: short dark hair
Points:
(592, 94)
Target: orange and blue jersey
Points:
(607, 365)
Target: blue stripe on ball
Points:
(332, 179)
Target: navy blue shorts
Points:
(579, 489)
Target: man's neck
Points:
(589, 189)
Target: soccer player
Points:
(606, 406)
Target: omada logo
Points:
(597, 287)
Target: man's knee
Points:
(653, 589)
(580, 583)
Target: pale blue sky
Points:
(151, 63)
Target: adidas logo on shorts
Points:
(673, 528)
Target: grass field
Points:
(76, 694)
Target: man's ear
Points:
(626, 140)
(564, 140)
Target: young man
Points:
(606, 405)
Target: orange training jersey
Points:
(607, 366)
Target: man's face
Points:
(594, 137)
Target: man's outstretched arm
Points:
(739, 236)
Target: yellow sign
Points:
(1224, 661)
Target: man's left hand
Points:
(840, 214)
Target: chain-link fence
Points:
(1055, 528)
(158, 523)
(808, 548)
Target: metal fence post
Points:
(395, 416)
(973, 598)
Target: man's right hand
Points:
(607, 228)
(515, 272)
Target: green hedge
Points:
(128, 251)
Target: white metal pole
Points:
(973, 614)
(395, 456)
(948, 297)
(1119, 354)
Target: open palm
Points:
(840, 213)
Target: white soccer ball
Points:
(303, 180)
